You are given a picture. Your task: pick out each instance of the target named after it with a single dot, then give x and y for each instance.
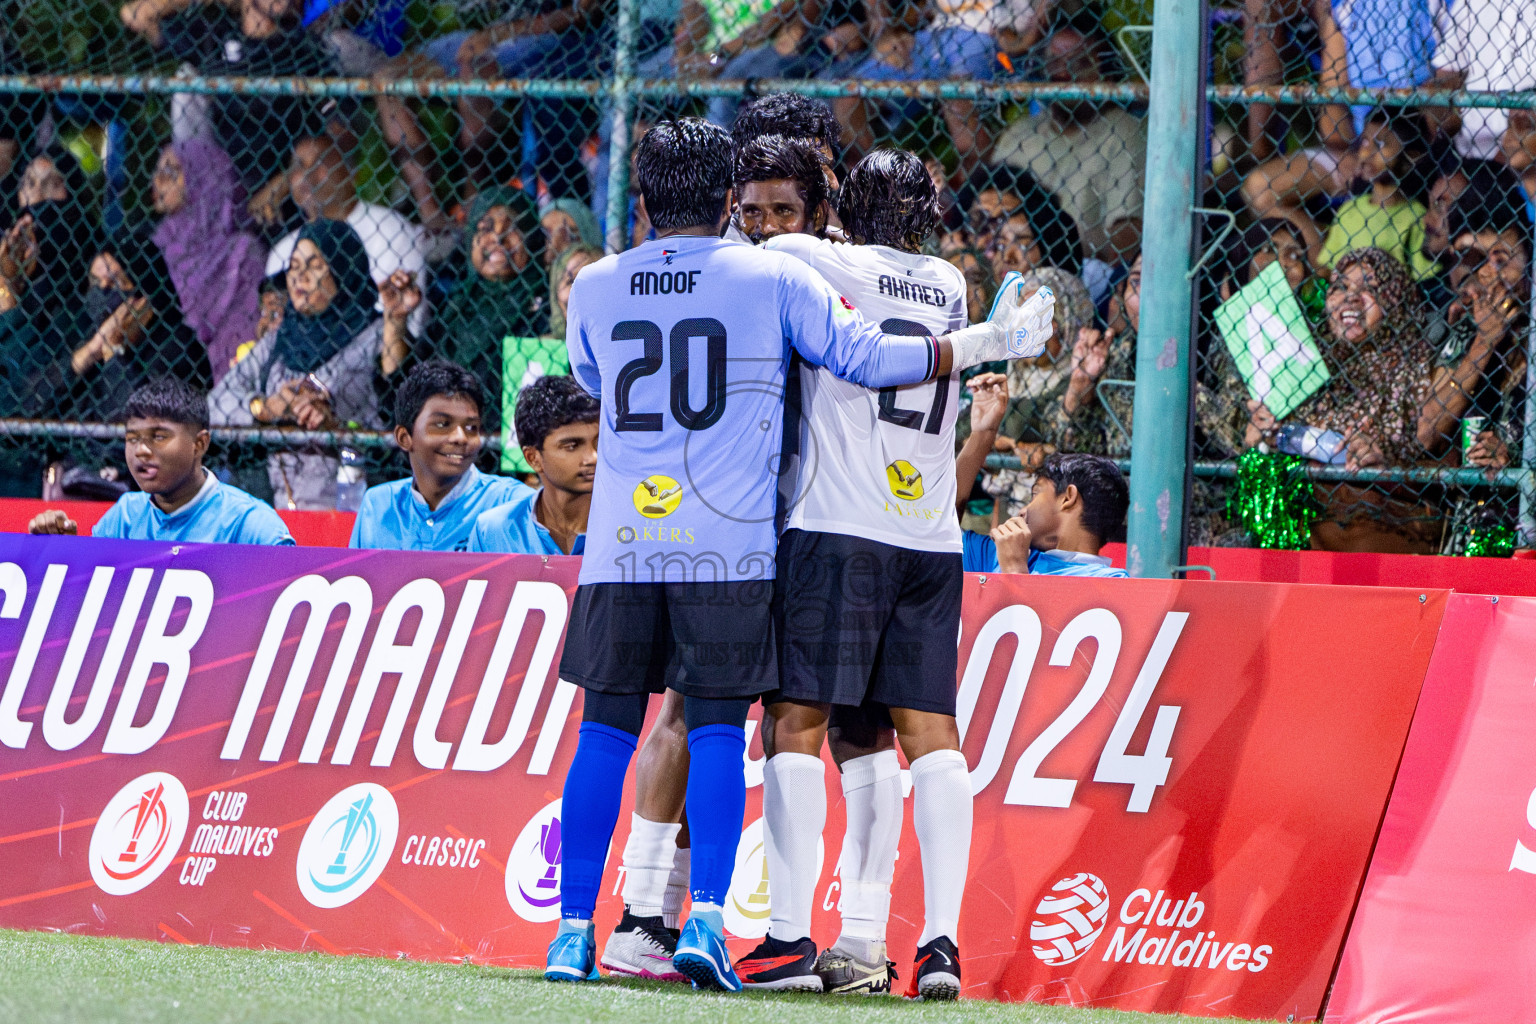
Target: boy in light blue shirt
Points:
(1078, 501)
(438, 426)
(556, 424)
(165, 439)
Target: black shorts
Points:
(867, 621)
(701, 639)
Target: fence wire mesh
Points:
(397, 181)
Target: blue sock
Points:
(717, 798)
(594, 787)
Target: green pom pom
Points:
(1496, 541)
(1273, 499)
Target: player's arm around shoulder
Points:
(803, 247)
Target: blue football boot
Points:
(701, 954)
(573, 954)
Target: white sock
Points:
(872, 800)
(941, 814)
(648, 858)
(677, 888)
(794, 813)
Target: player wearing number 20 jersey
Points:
(686, 340)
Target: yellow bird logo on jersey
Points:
(657, 496)
(905, 481)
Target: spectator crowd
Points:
(264, 264)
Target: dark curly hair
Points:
(548, 404)
(683, 168)
(889, 199)
(1099, 483)
(435, 377)
(777, 158)
(790, 115)
(170, 399)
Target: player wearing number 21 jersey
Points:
(880, 463)
(870, 581)
(685, 340)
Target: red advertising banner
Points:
(1177, 784)
(1447, 918)
(309, 528)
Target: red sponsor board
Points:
(1251, 565)
(1447, 918)
(192, 752)
(1179, 815)
(309, 529)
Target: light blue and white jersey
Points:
(686, 341)
(220, 514)
(980, 555)
(514, 529)
(395, 517)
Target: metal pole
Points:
(1526, 533)
(623, 116)
(932, 89)
(1161, 416)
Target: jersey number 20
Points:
(706, 327)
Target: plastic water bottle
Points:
(351, 481)
(1316, 443)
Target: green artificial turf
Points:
(46, 977)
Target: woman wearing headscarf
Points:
(44, 261)
(1365, 416)
(133, 331)
(500, 291)
(568, 222)
(44, 256)
(216, 267)
(318, 370)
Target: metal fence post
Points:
(623, 116)
(1525, 535)
(1161, 412)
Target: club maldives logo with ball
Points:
(138, 833)
(533, 867)
(1069, 918)
(347, 845)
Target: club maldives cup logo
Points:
(347, 845)
(747, 902)
(533, 867)
(138, 833)
(1069, 918)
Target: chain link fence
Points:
(292, 205)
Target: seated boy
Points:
(1077, 503)
(437, 425)
(166, 438)
(556, 424)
